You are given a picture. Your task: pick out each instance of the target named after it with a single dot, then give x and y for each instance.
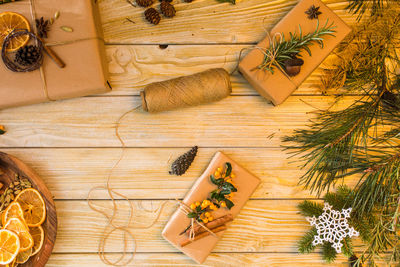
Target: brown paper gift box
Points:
(277, 87)
(85, 72)
(245, 182)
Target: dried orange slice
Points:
(23, 256)
(17, 226)
(14, 210)
(37, 234)
(10, 21)
(33, 206)
(9, 246)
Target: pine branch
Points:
(309, 208)
(305, 243)
(282, 49)
(328, 252)
(347, 248)
(361, 6)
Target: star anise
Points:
(313, 12)
(42, 27)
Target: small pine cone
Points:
(182, 164)
(28, 55)
(152, 16)
(144, 3)
(167, 9)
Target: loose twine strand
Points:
(126, 228)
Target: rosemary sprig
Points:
(282, 49)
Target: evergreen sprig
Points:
(361, 6)
(281, 49)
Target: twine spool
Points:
(200, 88)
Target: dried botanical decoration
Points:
(182, 163)
(169, 1)
(7, 1)
(167, 9)
(144, 3)
(66, 29)
(313, 12)
(42, 26)
(13, 190)
(28, 55)
(152, 16)
(293, 66)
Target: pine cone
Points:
(167, 9)
(42, 27)
(152, 16)
(144, 3)
(182, 164)
(28, 55)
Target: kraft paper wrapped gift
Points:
(245, 182)
(85, 72)
(278, 87)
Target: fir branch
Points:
(361, 6)
(282, 49)
(309, 208)
(305, 243)
(347, 248)
(328, 252)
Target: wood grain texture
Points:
(215, 259)
(132, 67)
(246, 121)
(12, 168)
(261, 226)
(70, 172)
(201, 22)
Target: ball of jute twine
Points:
(200, 88)
(10, 63)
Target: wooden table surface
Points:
(72, 145)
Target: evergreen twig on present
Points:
(281, 49)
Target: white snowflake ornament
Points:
(332, 226)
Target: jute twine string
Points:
(126, 229)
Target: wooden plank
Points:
(201, 22)
(215, 260)
(245, 121)
(132, 67)
(69, 173)
(262, 226)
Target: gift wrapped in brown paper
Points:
(76, 37)
(277, 87)
(203, 243)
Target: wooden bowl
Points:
(12, 166)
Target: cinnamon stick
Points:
(214, 224)
(199, 236)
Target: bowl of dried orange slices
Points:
(28, 216)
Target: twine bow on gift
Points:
(186, 209)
